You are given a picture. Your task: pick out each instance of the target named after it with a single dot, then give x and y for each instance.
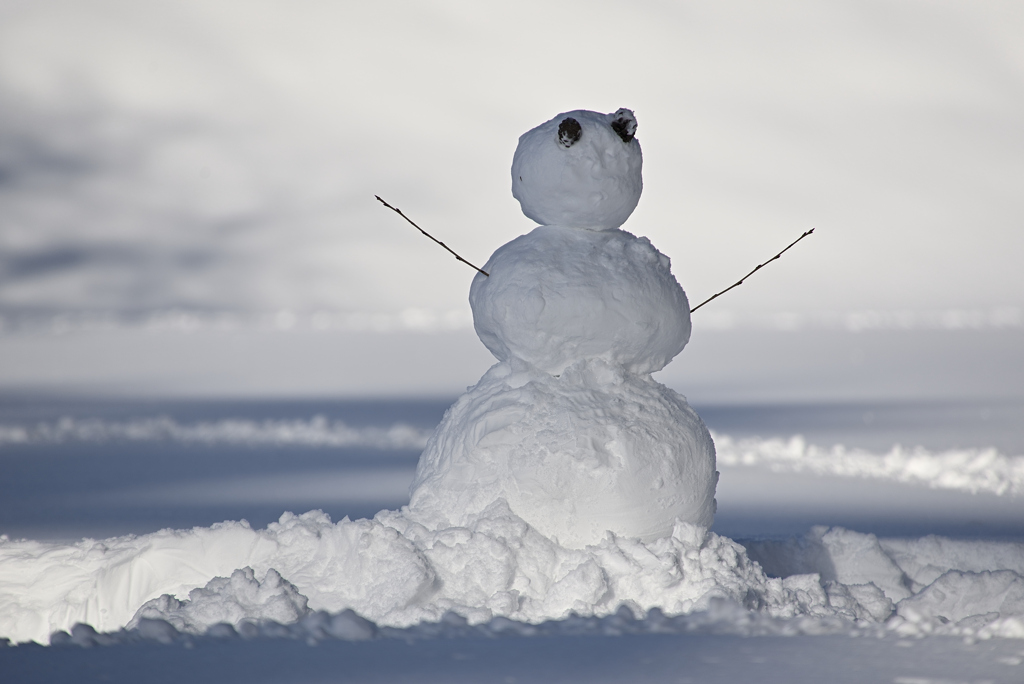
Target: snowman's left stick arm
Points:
(399, 212)
(756, 269)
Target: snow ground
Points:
(710, 659)
(129, 467)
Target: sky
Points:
(195, 167)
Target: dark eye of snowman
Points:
(569, 131)
(625, 127)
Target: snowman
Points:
(568, 428)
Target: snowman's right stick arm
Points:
(756, 269)
(399, 212)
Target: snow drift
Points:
(396, 572)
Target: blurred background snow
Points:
(186, 189)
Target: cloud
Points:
(221, 157)
(92, 222)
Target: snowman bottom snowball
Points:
(594, 450)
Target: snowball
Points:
(593, 450)
(580, 169)
(557, 295)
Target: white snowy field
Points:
(812, 488)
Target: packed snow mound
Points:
(594, 449)
(931, 585)
(580, 169)
(398, 572)
(394, 570)
(557, 295)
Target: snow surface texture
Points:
(581, 169)
(307, 572)
(594, 449)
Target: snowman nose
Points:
(569, 131)
(624, 124)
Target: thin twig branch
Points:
(759, 266)
(399, 212)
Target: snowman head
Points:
(581, 169)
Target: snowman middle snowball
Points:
(569, 428)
